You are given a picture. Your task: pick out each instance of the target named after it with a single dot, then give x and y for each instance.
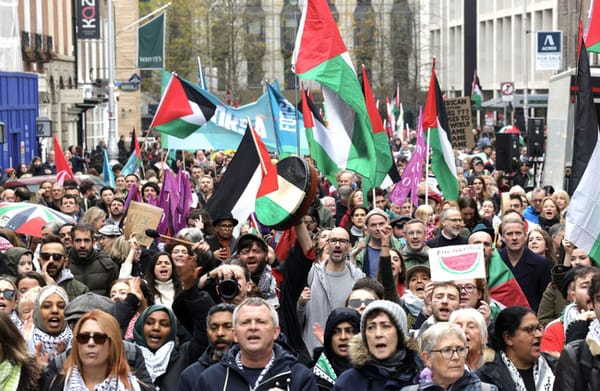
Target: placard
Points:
(457, 262)
(141, 217)
(458, 111)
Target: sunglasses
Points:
(55, 256)
(9, 294)
(356, 303)
(98, 338)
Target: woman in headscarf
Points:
(18, 370)
(381, 360)
(155, 334)
(50, 334)
(342, 324)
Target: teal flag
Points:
(151, 44)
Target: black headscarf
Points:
(337, 316)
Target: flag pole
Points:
(427, 167)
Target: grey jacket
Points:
(321, 303)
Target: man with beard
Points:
(452, 224)
(222, 243)
(342, 324)
(93, 268)
(416, 252)
(220, 338)
(253, 251)
(116, 211)
(330, 285)
(206, 186)
(53, 269)
(368, 258)
(445, 298)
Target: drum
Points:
(285, 207)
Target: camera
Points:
(229, 288)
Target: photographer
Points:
(230, 281)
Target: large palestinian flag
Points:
(182, 109)
(320, 55)
(435, 122)
(503, 285)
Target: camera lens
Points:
(229, 288)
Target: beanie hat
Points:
(376, 212)
(567, 280)
(394, 311)
(87, 302)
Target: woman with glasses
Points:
(518, 363)
(50, 335)
(97, 360)
(19, 371)
(380, 357)
(444, 351)
(8, 300)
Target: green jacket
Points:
(359, 258)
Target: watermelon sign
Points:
(457, 262)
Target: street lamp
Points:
(113, 150)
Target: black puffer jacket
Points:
(97, 271)
(579, 366)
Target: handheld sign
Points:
(141, 217)
(457, 262)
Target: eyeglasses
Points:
(225, 226)
(341, 240)
(9, 294)
(447, 353)
(55, 256)
(357, 303)
(455, 220)
(533, 328)
(469, 288)
(98, 338)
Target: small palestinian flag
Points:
(296, 189)
(182, 109)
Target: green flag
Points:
(151, 43)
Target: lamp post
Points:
(113, 150)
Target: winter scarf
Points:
(542, 374)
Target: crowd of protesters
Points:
(348, 303)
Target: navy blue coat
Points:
(286, 373)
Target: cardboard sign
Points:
(141, 217)
(457, 262)
(458, 111)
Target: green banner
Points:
(151, 44)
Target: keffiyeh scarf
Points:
(75, 382)
(49, 341)
(157, 362)
(542, 374)
(10, 374)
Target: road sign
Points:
(507, 89)
(135, 79)
(43, 127)
(548, 55)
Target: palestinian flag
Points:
(320, 55)
(63, 171)
(385, 163)
(239, 185)
(476, 94)
(435, 123)
(583, 214)
(502, 284)
(107, 173)
(321, 140)
(592, 31)
(182, 109)
(134, 163)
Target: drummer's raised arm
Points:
(303, 237)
